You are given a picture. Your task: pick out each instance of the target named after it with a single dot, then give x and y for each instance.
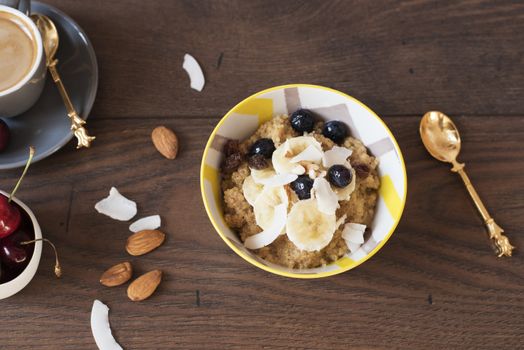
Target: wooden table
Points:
(435, 285)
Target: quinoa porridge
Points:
(299, 192)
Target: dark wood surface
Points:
(435, 285)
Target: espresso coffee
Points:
(17, 50)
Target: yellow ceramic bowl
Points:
(243, 120)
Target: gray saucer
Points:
(46, 125)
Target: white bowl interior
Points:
(243, 120)
(17, 284)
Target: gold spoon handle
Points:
(84, 140)
(501, 242)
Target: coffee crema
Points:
(17, 50)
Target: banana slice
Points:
(308, 228)
(286, 152)
(336, 155)
(264, 207)
(267, 236)
(327, 199)
(251, 190)
(344, 194)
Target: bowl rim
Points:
(21, 281)
(276, 271)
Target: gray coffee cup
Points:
(23, 94)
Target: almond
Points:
(144, 241)
(145, 285)
(117, 275)
(165, 141)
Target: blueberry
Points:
(264, 147)
(335, 130)
(339, 176)
(302, 121)
(302, 186)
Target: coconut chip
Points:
(279, 180)
(100, 327)
(341, 221)
(336, 155)
(196, 76)
(310, 154)
(353, 247)
(148, 223)
(267, 237)
(353, 234)
(260, 176)
(327, 200)
(116, 206)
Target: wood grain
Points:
(401, 57)
(435, 285)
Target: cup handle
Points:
(23, 6)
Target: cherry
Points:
(12, 253)
(9, 212)
(6, 275)
(5, 135)
(17, 234)
(9, 217)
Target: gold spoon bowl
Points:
(442, 140)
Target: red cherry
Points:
(9, 217)
(9, 212)
(12, 253)
(4, 135)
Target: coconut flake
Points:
(279, 180)
(356, 227)
(196, 76)
(100, 327)
(327, 200)
(116, 206)
(336, 155)
(341, 221)
(310, 154)
(260, 176)
(268, 177)
(267, 237)
(148, 223)
(282, 156)
(353, 247)
(353, 234)
(312, 174)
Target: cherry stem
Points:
(31, 154)
(58, 268)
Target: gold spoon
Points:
(50, 40)
(442, 140)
